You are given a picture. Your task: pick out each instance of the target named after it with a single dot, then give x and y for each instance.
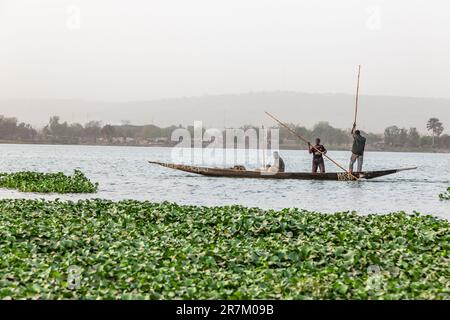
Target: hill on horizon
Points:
(232, 110)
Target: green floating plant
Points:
(100, 249)
(48, 182)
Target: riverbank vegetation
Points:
(98, 249)
(445, 195)
(394, 138)
(48, 182)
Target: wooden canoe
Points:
(234, 173)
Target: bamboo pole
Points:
(303, 139)
(357, 95)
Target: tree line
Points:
(94, 132)
(402, 137)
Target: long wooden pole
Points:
(357, 95)
(303, 139)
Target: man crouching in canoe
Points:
(318, 151)
(277, 164)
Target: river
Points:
(124, 173)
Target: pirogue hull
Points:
(234, 173)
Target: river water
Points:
(124, 173)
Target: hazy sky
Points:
(150, 49)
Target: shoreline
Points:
(282, 147)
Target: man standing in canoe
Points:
(317, 156)
(359, 143)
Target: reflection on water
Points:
(124, 173)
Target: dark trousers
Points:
(318, 163)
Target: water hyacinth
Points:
(48, 182)
(99, 249)
(445, 195)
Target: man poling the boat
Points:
(359, 144)
(318, 151)
(277, 164)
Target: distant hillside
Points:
(376, 112)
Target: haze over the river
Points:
(116, 51)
